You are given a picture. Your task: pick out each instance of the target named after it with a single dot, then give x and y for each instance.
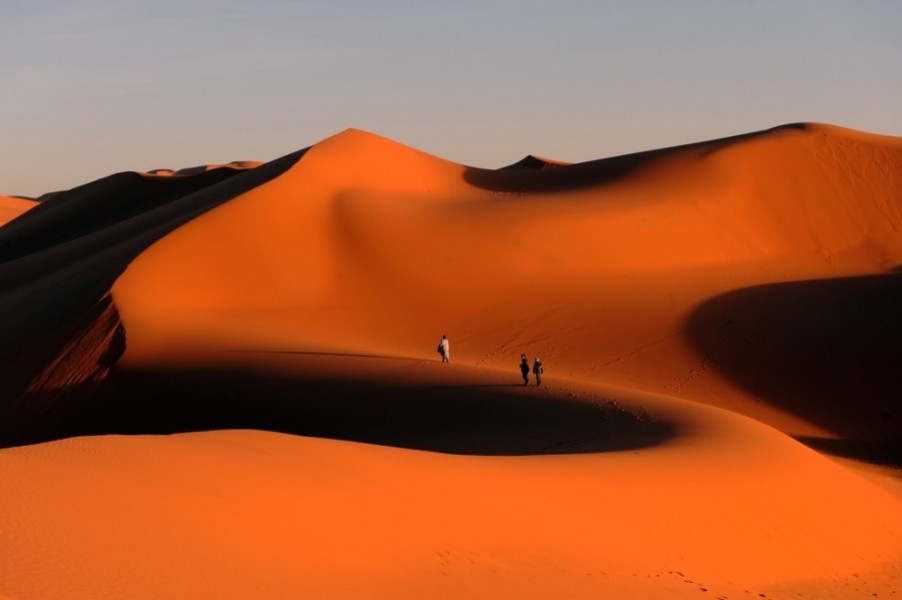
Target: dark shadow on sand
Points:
(318, 353)
(877, 453)
(469, 418)
(829, 351)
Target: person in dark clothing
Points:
(524, 369)
(537, 370)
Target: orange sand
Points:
(656, 461)
(11, 207)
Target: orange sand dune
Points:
(11, 207)
(629, 249)
(696, 308)
(733, 510)
(57, 263)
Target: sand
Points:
(11, 207)
(719, 413)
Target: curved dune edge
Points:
(315, 265)
(729, 507)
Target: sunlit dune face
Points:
(367, 245)
(11, 207)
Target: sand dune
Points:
(58, 263)
(628, 254)
(697, 308)
(11, 207)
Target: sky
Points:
(94, 87)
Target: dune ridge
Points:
(530, 161)
(697, 308)
(58, 262)
(190, 171)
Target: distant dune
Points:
(532, 162)
(719, 325)
(238, 164)
(11, 207)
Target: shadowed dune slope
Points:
(378, 400)
(826, 349)
(96, 206)
(58, 261)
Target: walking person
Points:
(444, 348)
(524, 369)
(537, 370)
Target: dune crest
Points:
(189, 171)
(58, 263)
(531, 161)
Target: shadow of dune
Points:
(878, 453)
(467, 418)
(829, 351)
(94, 206)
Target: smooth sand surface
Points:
(719, 416)
(11, 207)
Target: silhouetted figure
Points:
(524, 369)
(444, 348)
(537, 370)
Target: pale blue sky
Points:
(92, 87)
